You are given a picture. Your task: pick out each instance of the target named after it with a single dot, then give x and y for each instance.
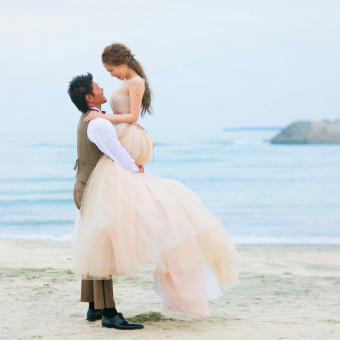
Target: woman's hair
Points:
(118, 54)
(78, 88)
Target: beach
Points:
(284, 292)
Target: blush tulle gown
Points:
(126, 218)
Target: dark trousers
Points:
(98, 291)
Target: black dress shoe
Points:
(118, 321)
(94, 314)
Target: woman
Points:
(137, 216)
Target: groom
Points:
(95, 138)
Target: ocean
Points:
(263, 193)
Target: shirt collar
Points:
(95, 108)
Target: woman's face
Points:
(118, 71)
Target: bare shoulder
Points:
(136, 84)
(137, 80)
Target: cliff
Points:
(305, 132)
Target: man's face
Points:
(98, 96)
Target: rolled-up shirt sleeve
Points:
(102, 133)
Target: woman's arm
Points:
(136, 91)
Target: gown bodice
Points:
(120, 100)
(137, 142)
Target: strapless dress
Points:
(128, 218)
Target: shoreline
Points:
(238, 244)
(285, 292)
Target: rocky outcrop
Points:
(305, 132)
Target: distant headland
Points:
(309, 132)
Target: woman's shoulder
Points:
(136, 80)
(136, 84)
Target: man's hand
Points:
(140, 127)
(141, 169)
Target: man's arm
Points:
(102, 133)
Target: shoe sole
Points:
(93, 320)
(122, 328)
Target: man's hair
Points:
(78, 88)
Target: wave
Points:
(39, 236)
(55, 146)
(241, 240)
(32, 191)
(253, 128)
(40, 201)
(37, 179)
(250, 142)
(64, 235)
(34, 222)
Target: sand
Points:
(285, 292)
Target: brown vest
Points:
(88, 153)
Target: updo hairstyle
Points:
(119, 54)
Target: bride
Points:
(134, 217)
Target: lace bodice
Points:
(120, 100)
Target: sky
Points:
(211, 64)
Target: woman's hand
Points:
(93, 115)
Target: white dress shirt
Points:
(102, 133)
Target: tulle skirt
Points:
(126, 218)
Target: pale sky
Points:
(210, 63)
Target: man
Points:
(94, 139)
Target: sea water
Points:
(262, 193)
